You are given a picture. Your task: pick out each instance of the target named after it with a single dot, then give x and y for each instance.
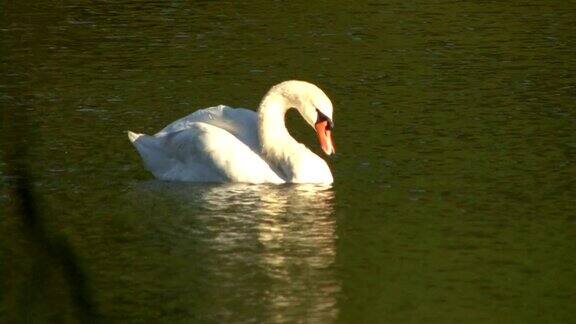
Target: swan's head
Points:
(315, 106)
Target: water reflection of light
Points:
(295, 229)
(268, 249)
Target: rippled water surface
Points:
(454, 195)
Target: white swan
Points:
(223, 144)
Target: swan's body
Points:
(223, 144)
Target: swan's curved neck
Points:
(274, 136)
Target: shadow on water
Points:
(56, 287)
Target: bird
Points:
(224, 144)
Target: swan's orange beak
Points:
(325, 136)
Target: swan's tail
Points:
(133, 136)
(152, 153)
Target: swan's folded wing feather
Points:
(203, 153)
(240, 122)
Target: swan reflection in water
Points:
(267, 249)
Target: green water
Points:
(455, 179)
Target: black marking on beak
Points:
(322, 117)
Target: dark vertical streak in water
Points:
(48, 250)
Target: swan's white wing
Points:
(240, 122)
(201, 152)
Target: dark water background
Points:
(455, 188)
